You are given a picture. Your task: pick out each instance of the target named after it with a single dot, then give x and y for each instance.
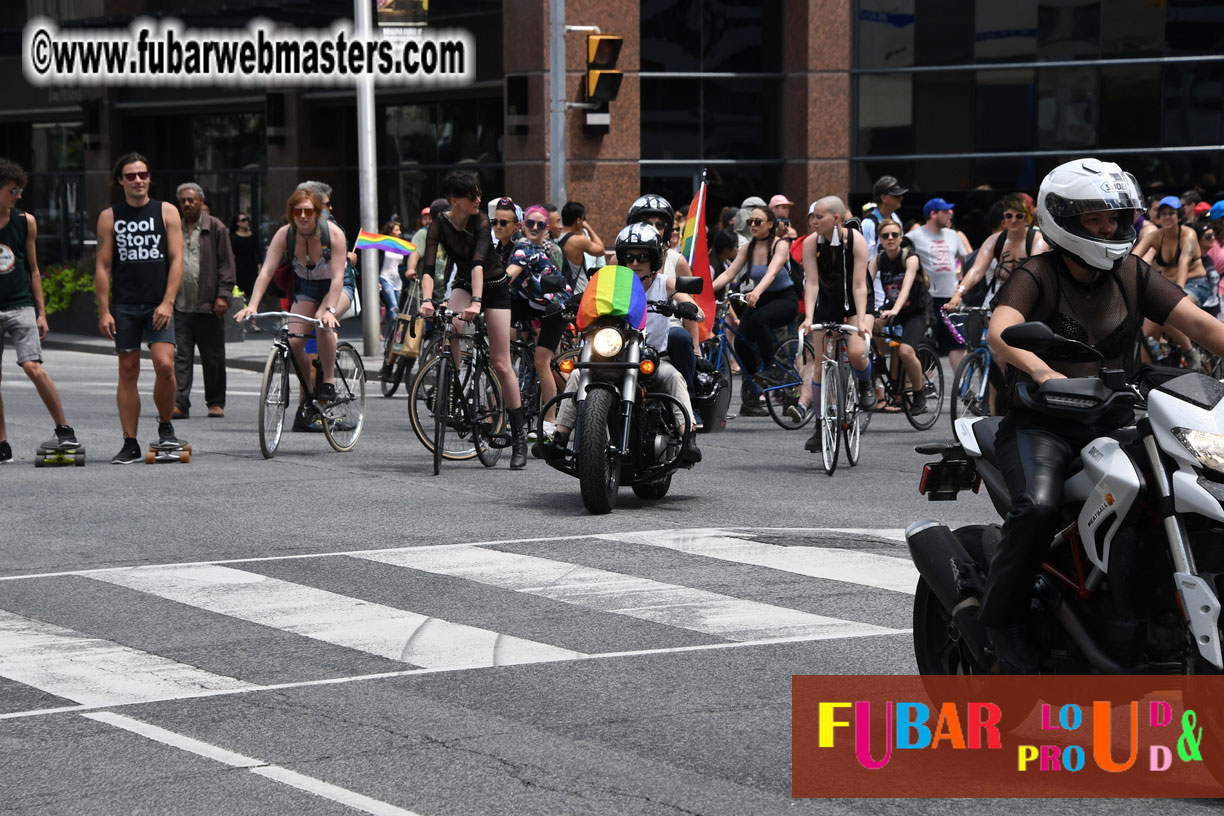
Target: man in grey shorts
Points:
(22, 315)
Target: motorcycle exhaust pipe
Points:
(941, 560)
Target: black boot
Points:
(518, 440)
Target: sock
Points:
(864, 375)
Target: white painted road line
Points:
(832, 563)
(309, 784)
(693, 609)
(333, 618)
(95, 672)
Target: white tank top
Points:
(656, 324)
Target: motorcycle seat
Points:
(985, 432)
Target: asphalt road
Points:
(342, 633)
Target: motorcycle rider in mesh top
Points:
(1090, 288)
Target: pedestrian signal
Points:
(602, 82)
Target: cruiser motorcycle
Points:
(1131, 584)
(626, 434)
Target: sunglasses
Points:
(503, 222)
(242, 219)
(1011, 216)
(535, 225)
(142, 175)
(635, 257)
(16, 190)
(756, 222)
(303, 212)
(888, 236)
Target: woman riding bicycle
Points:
(479, 283)
(772, 300)
(1174, 250)
(906, 300)
(318, 280)
(529, 262)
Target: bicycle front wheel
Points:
(423, 406)
(932, 386)
(344, 418)
(970, 391)
(273, 400)
(832, 408)
(783, 403)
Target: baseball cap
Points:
(1170, 201)
(424, 211)
(1201, 208)
(780, 199)
(934, 205)
(1217, 211)
(888, 185)
(753, 201)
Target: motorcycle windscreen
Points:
(614, 291)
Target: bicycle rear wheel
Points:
(522, 359)
(851, 430)
(486, 411)
(932, 388)
(393, 367)
(833, 406)
(344, 418)
(970, 393)
(273, 400)
(783, 403)
(442, 409)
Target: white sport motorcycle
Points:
(1131, 584)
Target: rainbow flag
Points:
(614, 291)
(387, 243)
(697, 253)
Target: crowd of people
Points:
(166, 272)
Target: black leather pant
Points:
(1033, 461)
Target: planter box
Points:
(81, 316)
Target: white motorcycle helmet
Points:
(1084, 186)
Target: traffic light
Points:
(602, 82)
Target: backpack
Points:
(575, 274)
(282, 276)
(981, 290)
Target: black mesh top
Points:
(1107, 314)
(468, 247)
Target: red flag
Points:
(697, 253)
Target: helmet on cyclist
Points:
(640, 236)
(1085, 186)
(649, 206)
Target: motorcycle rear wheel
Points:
(598, 467)
(937, 650)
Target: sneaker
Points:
(867, 397)
(307, 420)
(165, 435)
(798, 412)
(815, 441)
(327, 392)
(6, 453)
(64, 439)
(550, 428)
(917, 403)
(129, 453)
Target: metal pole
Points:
(556, 103)
(367, 179)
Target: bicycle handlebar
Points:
(844, 328)
(295, 316)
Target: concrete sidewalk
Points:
(250, 354)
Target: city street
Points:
(343, 633)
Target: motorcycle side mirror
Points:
(1042, 341)
(552, 283)
(689, 284)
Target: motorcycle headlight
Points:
(1208, 448)
(607, 342)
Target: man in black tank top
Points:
(139, 267)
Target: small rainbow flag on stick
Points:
(387, 243)
(614, 291)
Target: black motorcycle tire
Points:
(935, 651)
(653, 490)
(598, 467)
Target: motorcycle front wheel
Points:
(598, 466)
(653, 490)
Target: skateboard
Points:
(160, 453)
(59, 457)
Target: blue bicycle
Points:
(971, 382)
(780, 388)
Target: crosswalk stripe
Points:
(670, 604)
(93, 671)
(333, 618)
(832, 563)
